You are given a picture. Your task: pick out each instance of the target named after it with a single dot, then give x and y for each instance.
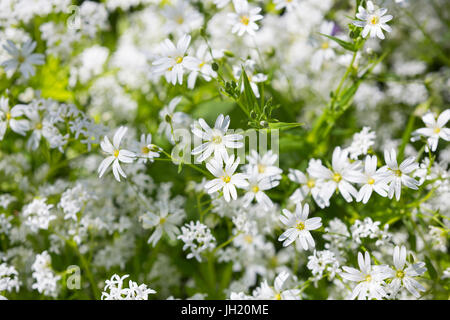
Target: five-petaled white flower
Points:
(226, 179)
(434, 129)
(22, 59)
(403, 275)
(217, 140)
(370, 279)
(244, 19)
(398, 175)
(373, 20)
(299, 227)
(257, 185)
(174, 60)
(277, 292)
(117, 155)
(146, 150)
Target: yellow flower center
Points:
(261, 168)
(21, 59)
(145, 150)
(116, 153)
(400, 274)
(374, 20)
(226, 179)
(180, 20)
(311, 183)
(38, 126)
(201, 64)
(325, 45)
(245, 20)
(300, 226)
(8, 115)
(277, 296)
(371, 181)
(437, 130)
(248, 239)
(162, 220)
(255, 189)
(217, 139)
(398, 173)
(337, 177)
(368, 278)
(179, 60)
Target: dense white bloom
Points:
(118, 292)
(244, 18)
(266, 164)
(11, 117)
(325, 50)
(398, 175)
(322, 262)
(266, 292)
(226, 178)
(46, 281)
(22, 59)
(217, 139)
(361, 143)
(299, 226)
(373, 20)
(197, 237)
(370, 279)
(174, 61)
(403, 275)
(38, 214)
(9, 278)
(116, 155)
(434, 129)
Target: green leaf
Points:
(431, 270)
(344, 44)
(284, 125)
(248, 94)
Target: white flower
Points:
(253, 79)
(226, 180)
(288, 4)
(326, 48)
(204, 67)
(361, 143)
(117, 155)
(276, 292)
(373, 180)
(398, 175)
(165, 216)
(308, 184)
(198, 238)
(38, 215)
(403, 275)
(10, 117)
(9, 278)
(244, 19)
(435, 129)
(173, 61)
(299, 227)
(264, 163)
(171, 119)
(340, 177)
(146, 150)
(373, 21)
(46, 281)
(255, 190)
(117, 292)
(217, 140)
(370, 279)
(22, 59)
